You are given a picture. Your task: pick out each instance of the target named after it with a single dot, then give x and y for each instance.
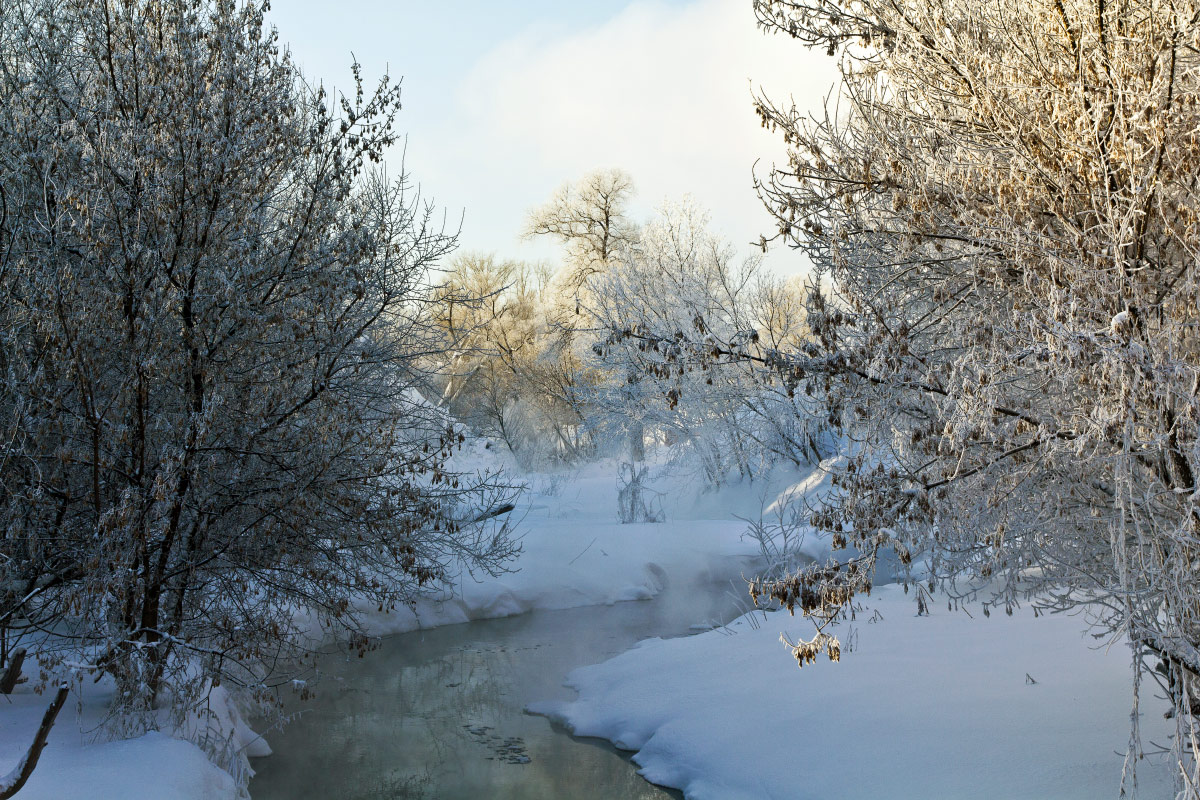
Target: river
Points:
(440, 714)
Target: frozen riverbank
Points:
(932, 706)
(575, 554)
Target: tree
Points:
(591, 218)
(473, 304)
(501, 363)
(213, 325)
(1003, 211)
(16, 779)
(681, 286)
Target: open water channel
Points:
(440, 713)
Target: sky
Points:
(506, 101)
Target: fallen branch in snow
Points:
(495, 512)
(11, 783)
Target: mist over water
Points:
(440, 713)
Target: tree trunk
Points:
(637, 442)
(12, 672)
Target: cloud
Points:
(661, 90)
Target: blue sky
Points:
(505, 101)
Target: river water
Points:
(440, 713)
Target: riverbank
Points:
(575, 554)
(943, 705)
(81, 764)
(938, 705)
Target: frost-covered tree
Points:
(1004, 209)
(591, 218)
(503, 360)
(214, 315)
(481, 308)
(682, 288)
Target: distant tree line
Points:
(540, 362)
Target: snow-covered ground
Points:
(79, 762)
(935, 706)
(944, 705)
(576, 553)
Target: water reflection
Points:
(439, 713)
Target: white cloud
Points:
(663, 91)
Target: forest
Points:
(257, 405)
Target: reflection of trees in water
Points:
(465, 687)
(389, 711)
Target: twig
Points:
(581, 552)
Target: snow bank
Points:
(78, 764)
(575, 553)
(569, 563)
(934, 706)
(82, 761)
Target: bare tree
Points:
(680, 288)
(503, 356)
(591, 218)
(476, 301)
(13, 782)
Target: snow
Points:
(151, 766)
(1120, 323)
(930, 706)
(576, 553)
(78, 763)
(82, 760)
